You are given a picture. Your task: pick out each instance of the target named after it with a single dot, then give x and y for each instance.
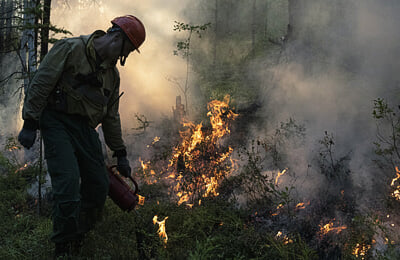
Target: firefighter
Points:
(75, 89)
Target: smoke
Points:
(10, 97)
(343, 56)
(144, 76)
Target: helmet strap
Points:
(122, 58)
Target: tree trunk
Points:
(295, 9)
(8, 30)
(253, 26)
(36, 16)
(2, 23)
(266, 21)
(28, 44)
(215, 35)
(44, 41)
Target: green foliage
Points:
(38, 11)
(213, 230)
(23, 234)
(276, 144)
(183, 47)
(260, 187)
(331, 167)
(388, 134)
(286, 248)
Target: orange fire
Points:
(280, 206)
(200, 162)
(302, 205)
(327, 228)
(13, 148)
(148, 174)
(21, 168)
(156, 139)
(279, 175)
(285, 239)
(396, 193)
(161, 228)
(361, 250)
(141, 200)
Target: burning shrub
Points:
(200, 160)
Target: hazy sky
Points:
(143, 78)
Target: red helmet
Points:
(133, 28)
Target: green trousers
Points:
(78, 174)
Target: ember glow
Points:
(285, 239)
(302, 205)
(148, 173)
(156, 139)
(327, 228)
(141, 200)
(279, 175)
(278, 208)
(13, 148)
(161, 228)
(361, 250)
(21, 168)
(395, 183)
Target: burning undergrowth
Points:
(200, 159)
(204, 161)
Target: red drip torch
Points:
(120, 192)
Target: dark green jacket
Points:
(88, 88)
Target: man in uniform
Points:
(75, 89)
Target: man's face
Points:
(116, 43)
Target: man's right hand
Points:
(27, 137)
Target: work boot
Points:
(62, 251)
(68, 250)
(76, 246)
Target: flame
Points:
(143, 164)
(279, 175)
(285, 239)
(199, 163)
(141, 200)
(396, 193)
(302, 205)
(161, 228)
(13, 148)
(148, 174)
(155, 140)
(21, 168)
(327, 228)
(218, 111)
(280, 206)
(200, 160)
(361, 250)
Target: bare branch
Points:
(12, 17)
(176, 82)
(6, 79)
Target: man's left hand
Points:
(123, 166)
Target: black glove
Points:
(27, 135)
(123, 166)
